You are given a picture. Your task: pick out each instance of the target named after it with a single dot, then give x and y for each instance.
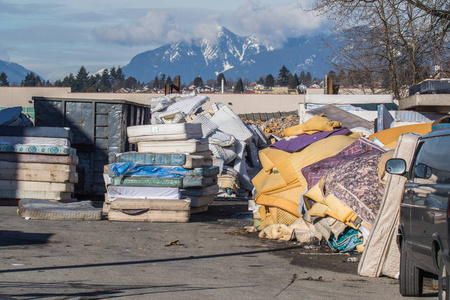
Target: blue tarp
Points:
(132, 169)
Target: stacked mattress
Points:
(170, 176)
(37, 162)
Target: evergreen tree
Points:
(301, 78)
(260, 80)
(58, 83)
(308, 78)
(119, 74)
(112, 73)
(105, 82)
(198, 81)
(219, 79)
(169, 80)
(31, 80)
(283, 76)
(131, 83)
(155, 84)
(239, 88)
(81, 80)
(294, 82)
(269, 82)
(92, 84)
(162, 80)
(4, 79)
(117, 78)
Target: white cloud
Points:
(207, 30)
(155, 27)
(274, 24)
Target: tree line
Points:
(114, 79)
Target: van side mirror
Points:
(396, 166)
(422, 171)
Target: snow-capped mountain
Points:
(15, 72)
(235, 56)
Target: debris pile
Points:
(37, 162)
(233, 145)
(324, 182)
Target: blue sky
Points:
(55, 37)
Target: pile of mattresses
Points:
(38, 163)
(169, 177)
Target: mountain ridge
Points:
(15, 73)
(233, 55)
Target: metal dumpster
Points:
(99, 128)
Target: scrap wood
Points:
(274, 126)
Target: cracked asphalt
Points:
(211, 257)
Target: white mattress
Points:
(164, 137)
(188, 146)
(36, 186)
(164, 132)
(38, 167)
(34, 140)
(138, 192)
(381, 255)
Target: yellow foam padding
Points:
(266, 163)
(287, 200)
(317, 151)
(278, 159)
(282, 189)
(315, 124)
(319, 210)
(266, 217)
(355, 135)
(316, 192)
(330, 205)
(390, 136)
(343, 213)
(268, 181)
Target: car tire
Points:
(444, 287)
(411, 279)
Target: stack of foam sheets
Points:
(38, 163)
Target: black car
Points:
(423, 235)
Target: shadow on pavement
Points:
(18, 238)
(101, 291)
(151, 261)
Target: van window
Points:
(432, 164)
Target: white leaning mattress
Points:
(158, 132)
(187, 146)
(381, 255)
(138, 192)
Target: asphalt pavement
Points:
(211, 257)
